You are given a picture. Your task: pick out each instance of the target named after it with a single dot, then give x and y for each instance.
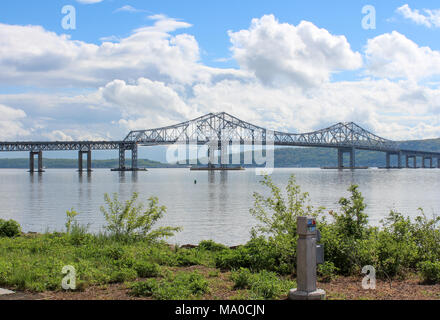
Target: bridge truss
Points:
(223, 128)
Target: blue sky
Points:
(136, 64)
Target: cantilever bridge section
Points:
(223, 128)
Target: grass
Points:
(33, 263)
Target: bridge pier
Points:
(388, 160)
(31, 161)
(89, 160)
(414, 161)
(352, 152)
(134, 158)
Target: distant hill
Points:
(284, 157)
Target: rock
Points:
(4, 292)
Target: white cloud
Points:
(151, 101)
(30, 55)
(392, 55)
(11, 126)
(430, 18)
(130, 9)
(89, 1)
(303, 55)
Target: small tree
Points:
(353, 221)
(130, 220)
(70, 218)
(278, 215)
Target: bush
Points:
(186, 258)
(327, 271)
(267, 286)
(126, 220)
(262, 285)
(430, 272)
(259, 254)
(210, 245)
(181, 286)
(242, 278)
(9, 229)
(122, 275)
(147, 269)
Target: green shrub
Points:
(353, 221)
(430, 271)
(267, 286)
(185, 257)
(122, 275)
(128, 220)
(259, 254)
(181, 286)
(144, 288)
(242, 278)
(210, 245)
(327, 271)
(9, 228)
(146, 269)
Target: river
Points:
(216, 207)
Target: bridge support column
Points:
(415, 162)
(121, 158)
(80, 161)
(388, 160)
(399, 160)
(134, 158)
(407, 161)
(224, 159)
(438, 163)
(423, 162)
(340, 158)
(353, 158)
(32, 162)
(89, 160)
(352, 152)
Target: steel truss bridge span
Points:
(223, 128)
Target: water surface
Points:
(216, 208)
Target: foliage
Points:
(211, 246)
(71, 215)
(348, 239)
(258, 254)
(9, 228)
(128, 220)
(262, 285)
(181, 286)
(327, 271)
(241, 278)
(277, 216)
(146, 269)
(353, 221)
(430, 271)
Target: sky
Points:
(94, 70)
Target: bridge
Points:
(223, 128)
